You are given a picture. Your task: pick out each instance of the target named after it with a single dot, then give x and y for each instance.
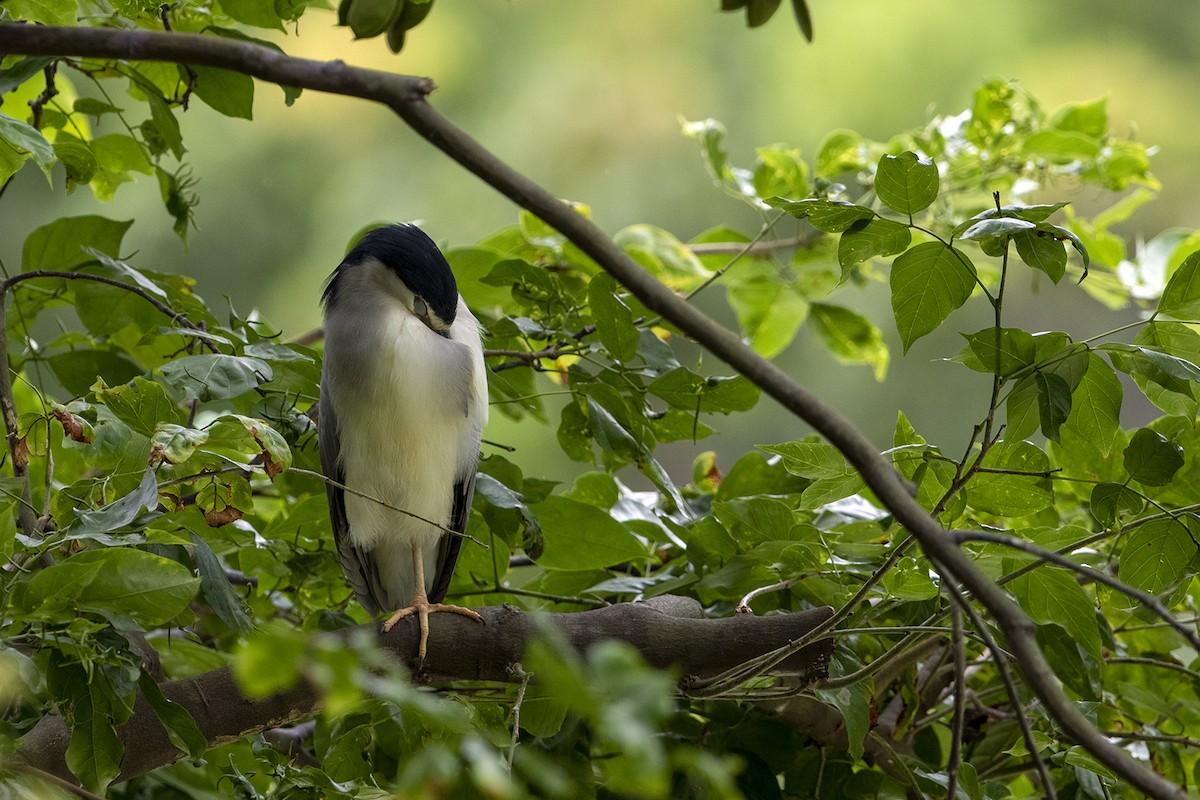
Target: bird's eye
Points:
(419, 307)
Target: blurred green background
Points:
(586, 98)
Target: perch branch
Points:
(668, 631)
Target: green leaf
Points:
(854, 705)
(76, 158)
(47, 12)
(162, 122)
(841, 151)
(215, 587)
(868, 238)
(260, 13)
(1181, 296)
(779, 170)
(1022, 410)
(1043, 253)
(906, 183)
(1096, 406)
(252, 437)
(1002, 352)
(997, 228)
(1034, 213)
(659, 251)
(94, 752)
(928, 282)
(1010, 493)
(809, 459)
(270, 661)
(1054, 402)
(23, 69)
(1112, 501)
(28, 140)
(228, 92)
(368, 18)
(769, 312)
(830, 216)
(119, 513)
(1151, 459)
(711, 136)
(215, 376)
(1063, 147)
(851, 337)
(1090, 118)
(60, 244)
(141, 404)
(149, 589)
(579, 536)
(1052, 596)
(1157, 555)
(688, 391)
(613, 319)
(77, 370)
(180, 726)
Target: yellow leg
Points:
(422, 607)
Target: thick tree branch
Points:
(668, 631)
(407, 97)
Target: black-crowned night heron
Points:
(403, 404)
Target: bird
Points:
(402, 407)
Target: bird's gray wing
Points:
(450, 545)
(360, 569)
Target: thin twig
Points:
(957, 723)
(1011, 685)
(310, 474)
(519, 672)
(1147, 599)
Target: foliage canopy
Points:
(166, 488)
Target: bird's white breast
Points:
(410, 424)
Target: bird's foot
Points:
(423, 610)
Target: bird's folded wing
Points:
(361, 571)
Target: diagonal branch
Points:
(407, 97)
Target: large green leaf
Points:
(118, 581)
(1151, 459)
(94, 752)
(216, 376)
(613, 319)
(850, 337)
(119, 513)
(1181, 296)
(579, 536)
(59, 245)
(27, 140)
(1050, 595)
(769, 312)
(1157, 555)
(231, 93)
(928, 282)
(830, 216)
(906, 183)
(689, 391)
(141, 404)
(1021, 485)
(868, 238)
(1096, 406)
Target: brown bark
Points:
(667, 631)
